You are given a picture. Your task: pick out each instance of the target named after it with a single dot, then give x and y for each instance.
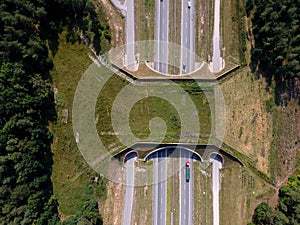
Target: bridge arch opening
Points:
(195, 155)
(130, 155)
(217, 156)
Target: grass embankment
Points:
(144, 19)
(248, 124)
(108, 13)
(71, 175)
(286, 135)
(240, 190)
(210, 28)
(202, 29)
(202, 195)
(142, 211)
(233, 30)
(249, 130)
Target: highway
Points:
(217, 62)
(159, 206)
(216, 167)
(187, 36)
(186, 189)
(161, 35)
(129, 192)
(130, 61)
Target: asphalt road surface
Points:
(216, 166)
(217, 61)
(129, 192)
(161, 35)
(186, 189)
(159, 202)
(187, 36)
(130, 61)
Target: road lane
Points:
(217, 61)
(161, 35)
(130, 61)
(187, 36)
(159, 208)
(186, 189)
(129, 192)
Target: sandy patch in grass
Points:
(115, 21)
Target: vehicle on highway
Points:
(189, 4)
(187, 171)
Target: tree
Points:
(89, 215)
(25, 111)
(276, 32)
(288, 209)
(262, 214)
(280, 218)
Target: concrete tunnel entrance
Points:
(173, 152)
(217, 156)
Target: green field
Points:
(149, 107)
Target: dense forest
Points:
(276, 48)
(29, 29)
(276, 55)
(288, 209)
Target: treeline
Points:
(25, 111)
(288, 209)
(28, 29)
(276, 32)
(76, 16)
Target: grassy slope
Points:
(232, 24)
(248, 124)
(286, 143)
(144, 22)
(71, 174)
